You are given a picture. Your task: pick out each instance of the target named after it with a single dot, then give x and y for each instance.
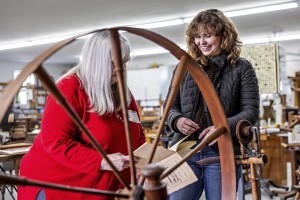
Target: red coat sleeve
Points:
(59, 132)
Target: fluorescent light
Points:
(261, 9)
(14, 45)
(160, 24)
(85, 36)
(188, 20)
(154, 25)
(246, 41)
(145, 52)
(33, 42)
(256, 40)
(256, 10)
(295, 36)
(59, 38)
(50, 40)
(285, 37)
(148, 51)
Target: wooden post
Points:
(154, 188)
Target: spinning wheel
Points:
(152, 173)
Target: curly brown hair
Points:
(214, 22)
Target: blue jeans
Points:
(41, 195)
(209, 179)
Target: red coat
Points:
(61, 153)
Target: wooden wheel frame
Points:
(222, 131)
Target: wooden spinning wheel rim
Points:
(204, 84)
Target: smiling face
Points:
(209, 44)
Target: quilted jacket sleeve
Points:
(175, 110)
(249, 98)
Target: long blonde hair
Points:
(95, 70)
(214, 21)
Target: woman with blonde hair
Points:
(61, 153)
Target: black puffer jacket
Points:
(237, 88)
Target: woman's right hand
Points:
(120, 161)
(186, 126)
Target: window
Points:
(25, 94)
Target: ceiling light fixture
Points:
(262, 9)
(160, 24)
(285, 37)
(256, 40)
(279, 38)
(156, 24)
(249, 41)
(256, 10)
(143, 52)
(33, 42)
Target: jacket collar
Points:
(219, 60)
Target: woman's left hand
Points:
(206, 132)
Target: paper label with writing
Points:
(133, 116)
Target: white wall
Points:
(7, 70)
(164, 59)
(144, 83)
(57, 70)
(150, 84)
(293, 65)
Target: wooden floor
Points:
(247, 197)
(264, 196)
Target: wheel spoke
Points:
(205, 142)
(14, 180)
(117, 60)
(178, 76)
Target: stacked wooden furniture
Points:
(291, 150)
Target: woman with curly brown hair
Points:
(213, 41)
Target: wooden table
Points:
(15, 159)
(15, 155)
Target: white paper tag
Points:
(133, 117)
